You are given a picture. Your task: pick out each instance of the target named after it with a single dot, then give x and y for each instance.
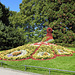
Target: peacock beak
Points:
(52, 31)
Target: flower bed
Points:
(60, 50)
(43, 40)
(44, 52)
(20, 52)
(36, 51)
(50, 51)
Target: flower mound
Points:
(36, 51)
(19, 53)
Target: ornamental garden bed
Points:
(21, 52)
(36, 51)
(44, 52)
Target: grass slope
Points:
(64, 63)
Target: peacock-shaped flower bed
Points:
(43, 50)
(36, 51)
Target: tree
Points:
(4, 14)
(37, 15)
(10, 37)
(15, 19)
(64, 22)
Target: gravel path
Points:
(7, 71)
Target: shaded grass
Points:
(64, 63)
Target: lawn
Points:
(64, 63)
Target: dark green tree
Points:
(4, 14)
(10, 36)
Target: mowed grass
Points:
(64, 63)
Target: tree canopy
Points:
(4, 14)
(10, 37)
(36, 16)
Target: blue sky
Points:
(12, 4)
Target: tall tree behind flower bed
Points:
(10, 37)
(58, 14)
(4, 14)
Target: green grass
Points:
(64, 63)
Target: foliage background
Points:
(35, 16)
